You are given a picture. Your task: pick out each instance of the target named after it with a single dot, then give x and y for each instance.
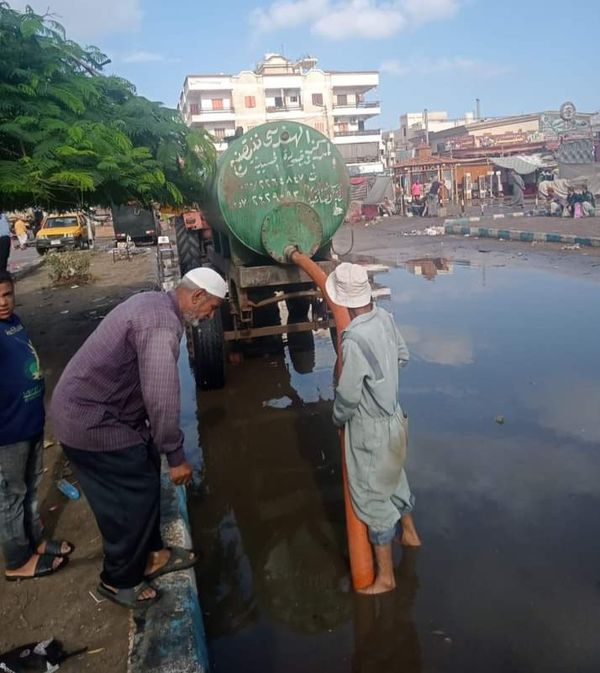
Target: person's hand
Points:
(181, 475)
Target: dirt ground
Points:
(61, 606)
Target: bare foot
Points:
(157, 560)
(147, 594)
(409, 532)
(28, 570)
(379, 586)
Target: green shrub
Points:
(69, 266)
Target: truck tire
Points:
(188, 247)
(209, 353)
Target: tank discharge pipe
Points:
(361, 556)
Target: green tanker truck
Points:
(279, 185)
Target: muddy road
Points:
(502, 394)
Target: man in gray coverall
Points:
(366, 402)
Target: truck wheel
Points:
(188, 247)
(209, 353)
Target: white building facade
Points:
(416, 126)
(334, 103)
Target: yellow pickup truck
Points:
(69, 231)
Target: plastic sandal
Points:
(130, 598)
(43, 568)
(180, 559)
(54, 547)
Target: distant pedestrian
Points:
(518, 186)
(4, 241)
(26, 554)
(588, 202)
(21, 229)
(376, 427)
(416, 191)
(115, 410)
(433, 199)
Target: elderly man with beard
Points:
(115, 410)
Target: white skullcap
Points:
(348, 285)
(207, 279)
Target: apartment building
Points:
(415, 127)
(333, 102)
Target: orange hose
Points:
(361, 555)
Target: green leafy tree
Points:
(69, 135)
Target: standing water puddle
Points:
(508, 578)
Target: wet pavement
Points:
(508, 579)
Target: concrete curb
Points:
(169, 636)
(28, 268)
(462, 227)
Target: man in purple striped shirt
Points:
(115, 410)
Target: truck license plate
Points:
(54, 242)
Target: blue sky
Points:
(516, 56)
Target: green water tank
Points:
(280, 184)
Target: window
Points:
(219, 133)
(293, 99)
(250, 101)
(342, 99)
(193, 108)
(217, 103)
(278, 101)
(343, 127)
(317, 99)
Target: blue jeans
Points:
(21, 527)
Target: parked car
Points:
(69, 231)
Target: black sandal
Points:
(43, 568)
(130, 598)
(54, 547)
(180, 559)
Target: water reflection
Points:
(441, 345)
(272, 516)
(508, 513)
(385, 635)
(430, 267)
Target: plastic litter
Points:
(68, 490)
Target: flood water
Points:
(508, 578)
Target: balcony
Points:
(226, 113)
(363, 132)
(289, 111)
(361, 104)
(356, 137)
(361, 109)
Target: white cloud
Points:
(346, 19)
(359, 18)
(444, 64)
(285, 14)
(143, 57)
(89, 19)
